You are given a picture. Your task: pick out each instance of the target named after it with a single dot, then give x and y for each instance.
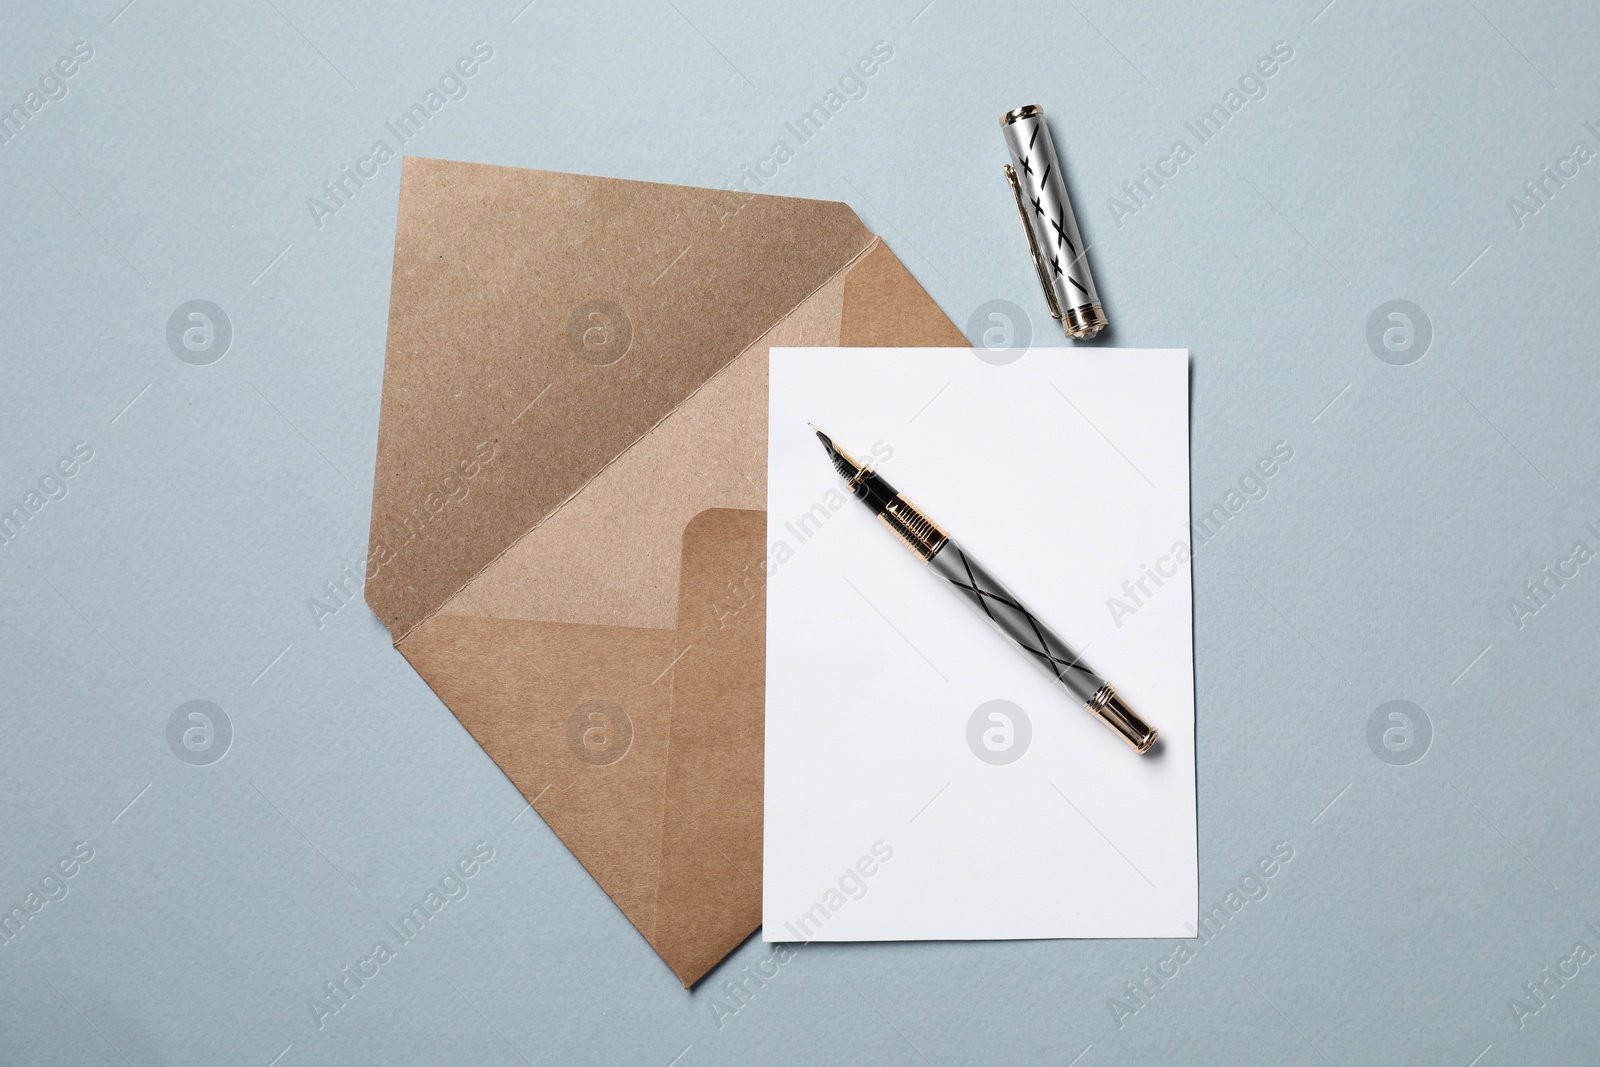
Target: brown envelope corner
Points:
(568, 540)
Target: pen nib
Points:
(847, 467)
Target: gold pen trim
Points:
(1111, 709)
(921, 534)
(1017, 114)
(1085, 321)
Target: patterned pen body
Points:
(1000, 606)
(989, 596)
(1049, 224)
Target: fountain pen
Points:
(984, 592)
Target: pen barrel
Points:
(1051, 227)
(989, 596)
(1001, 607)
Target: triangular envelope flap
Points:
(539, 324)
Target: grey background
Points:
(1379, 566)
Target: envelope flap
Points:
(541, 323)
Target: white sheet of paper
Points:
(901, 803)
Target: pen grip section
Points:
(989, 596)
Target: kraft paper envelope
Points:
(568, 537)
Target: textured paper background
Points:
(1378, 567)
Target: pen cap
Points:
(1047, 219)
